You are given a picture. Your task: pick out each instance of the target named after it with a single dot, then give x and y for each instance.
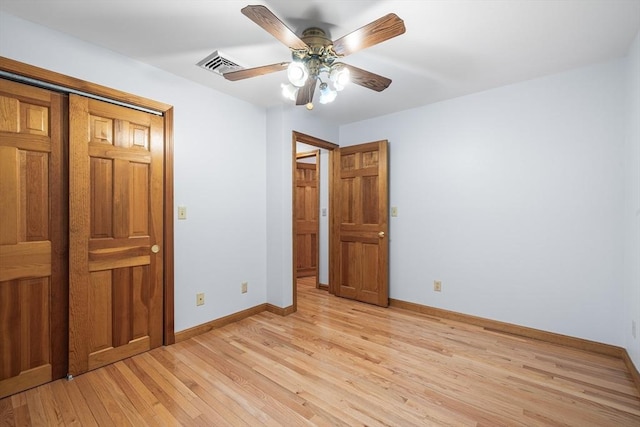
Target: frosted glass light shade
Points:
(289, 91)
(327, 94)
(297, 73)
(340, 76)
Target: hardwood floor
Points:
(337, 362)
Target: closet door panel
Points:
(116, 237)
(32, 242)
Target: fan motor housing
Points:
(317, 40)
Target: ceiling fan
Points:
(313, 53)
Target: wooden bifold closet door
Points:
(81, 234)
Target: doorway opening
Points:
(312, 160)
(309, 212)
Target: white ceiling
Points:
(451, 47)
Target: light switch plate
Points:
(182, 212)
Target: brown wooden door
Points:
(306, 211)
(33, 286)
(360, 249)
(116, 202)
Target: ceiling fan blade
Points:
(255, 72)
(274, 26)
(368, 79)
(385, 28)
(305, 93)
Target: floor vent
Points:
(219, 64)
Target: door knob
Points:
(155, 249)
(381, 234)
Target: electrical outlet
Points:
(633, 328)
(200, 299)
(243, 287)
(437, 285)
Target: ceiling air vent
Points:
(219, 64)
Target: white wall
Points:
(513, 199)
(632, 206)
(323, 267)
(281, 122)
(220, 165)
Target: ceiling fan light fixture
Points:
(340, 77)
(297, 73)
(313, 54)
